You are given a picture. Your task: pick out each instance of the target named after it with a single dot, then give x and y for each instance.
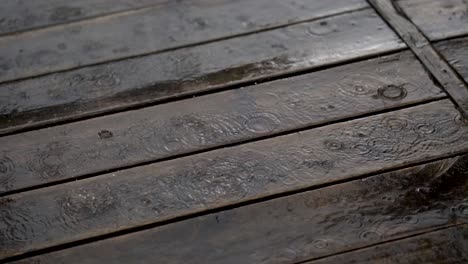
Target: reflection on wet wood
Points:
(284, 230)
(150, 30)
(21, 15)
(438, 19)
(165, 190)
(186, 71)
(186, 126)
(456, 53)
(447, 246)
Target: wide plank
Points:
(456, 53)
(149, 79)
(176, 24)
(446, 246)
(161, 191)
(291, 229)
(181, 127)
(438, 19)
(20, 15)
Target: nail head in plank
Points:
(297, 227)
(418, 43)
(162, 131)
(118, 85)
(225, 177)
(151, 30)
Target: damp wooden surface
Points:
(438, 19)
(162, 131)
(298, 227)
(150, 30)
(118, 85)
(447, 246)
(456, 53)
(165, 190)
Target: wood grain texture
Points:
(165, 190)
(456, 53)
(21, 15)
(438, 19)
(447, 246)
(156, 29)
(417, 42)
(143, 80)
(297, 227)
(186, 126)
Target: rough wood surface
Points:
(438, 19)
(285, 230)
(456, 53)
(118, 85)
(447, 246)
(186, 126)
(21, 15)
(161, 191)
(151, 30)
(418, 43)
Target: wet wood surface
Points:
(143, 80)
(186, 126)
(150, 30)
(447, 246)
(456, 53)
(438, 19)
(422, 48)
(21, 15)
(298, 227)
(165, 190)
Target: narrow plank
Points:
(21, 15)
(209, 121)
(144, 80)
(456, 53)
(148, 194)
(418, 43)
(290, 229)
(438, 19)
(151, 30)
(447, 246)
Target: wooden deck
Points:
(220, 131)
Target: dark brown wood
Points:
(162, 131)
(438, 19)
(418, 43)
(148, 194)
(21, 15)
(447, 246)
(149, 79)
(291, 229)
(151, 30)
(456, 53)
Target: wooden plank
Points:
(209, 121)
(285, 230)
(144, 80)
(418, 43)
(151, 30)
(438, 19)
(21, 15)
(447, 246)
(456, 53)
(143, 195)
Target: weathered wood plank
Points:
(447, 246)
(438, 19)
(456, 53)
(186, 126)
(431, 59)
(21, 15)
(285, 230)
(143, 80)
(165, 190)
(151, 30)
